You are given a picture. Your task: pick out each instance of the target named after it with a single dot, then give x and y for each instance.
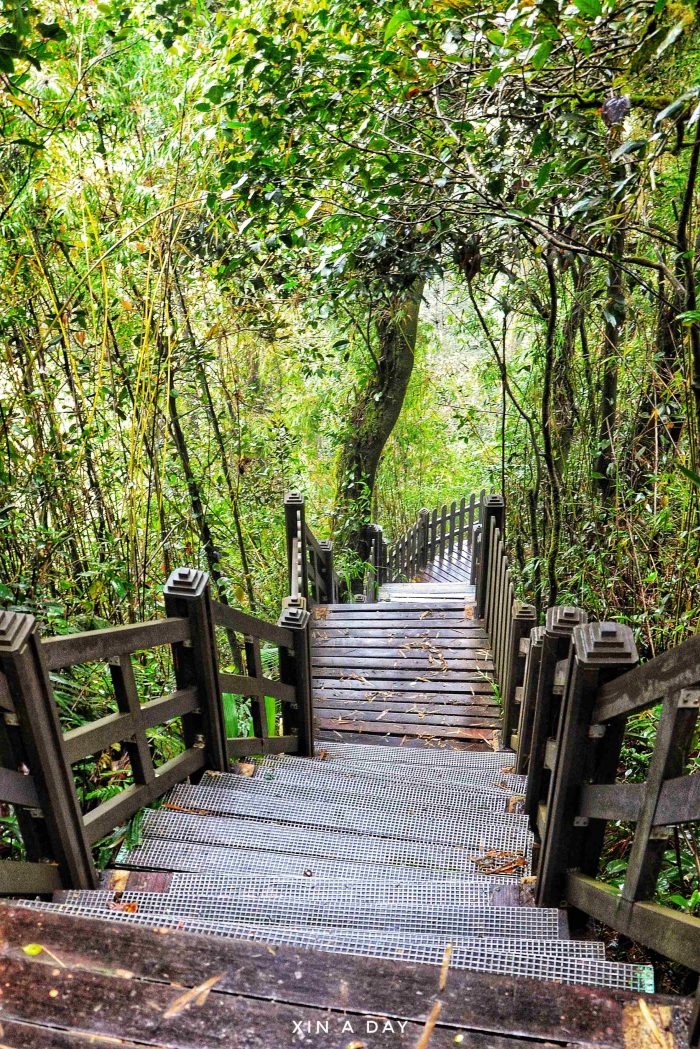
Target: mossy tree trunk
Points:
(375, 412)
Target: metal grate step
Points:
(489, 778)
(162, 855)
(372, 792)
(506, 831)
(560, 960)
(391, 890)
(448, 920)
(425, 756)
(311, 841)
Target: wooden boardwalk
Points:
(413, 669)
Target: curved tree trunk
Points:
(374, 415)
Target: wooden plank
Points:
(672, 933)
(646, 685)
(398, 728)
(18, 789)
(442, 533)
(18, 877)
(96, 736)
(410, 706)
(411, 742)
(615, 801)
(126, 693)
(482, 1002)
(136, 1010)
(409, 663)
(392, 644)
(674, 735)
(242, 623)
(381, 609)
(249, 746)
(379, 683)
(679, 801)
(101, 645)
(18, 1035)
(447, 634)
(427, 720)
(242, 685)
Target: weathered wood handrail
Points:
(310, 564)
(602, 687)
(507, 620)
(37, 756)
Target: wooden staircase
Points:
(376, 894)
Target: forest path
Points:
(414, 669)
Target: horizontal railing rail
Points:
(37, 757)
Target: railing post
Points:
(57, 832)
(492, 517)
(599, 652)
(560, 622)
(187, 594)
(474, 554)
(328, 572)
(523, 619)
(295, 528)
(527, 702)
(295, 669)
(424, 537)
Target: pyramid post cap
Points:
(15, 628)
(186, 583)
(605, 644)
(561, 620)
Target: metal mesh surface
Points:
(308, 780)
(163, 855)
(449, 920)
(562, 960)
(481, 889)
(312, 841)
(432, 775)
(369, 790)
(415, 756)
(490, 830)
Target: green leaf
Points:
(690, 474)
(633, 146)
(670, 38)
(675, 106)
(590, 8)
(399, 18)
(539, 59)
(496, 37)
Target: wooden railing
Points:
(311, 572)
(581, 684)
(436, 534)
(37, 756)
(507, 620)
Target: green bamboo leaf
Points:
(690, 474)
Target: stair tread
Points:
(489, 955)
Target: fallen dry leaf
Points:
(195, 996)
(430, 1025)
